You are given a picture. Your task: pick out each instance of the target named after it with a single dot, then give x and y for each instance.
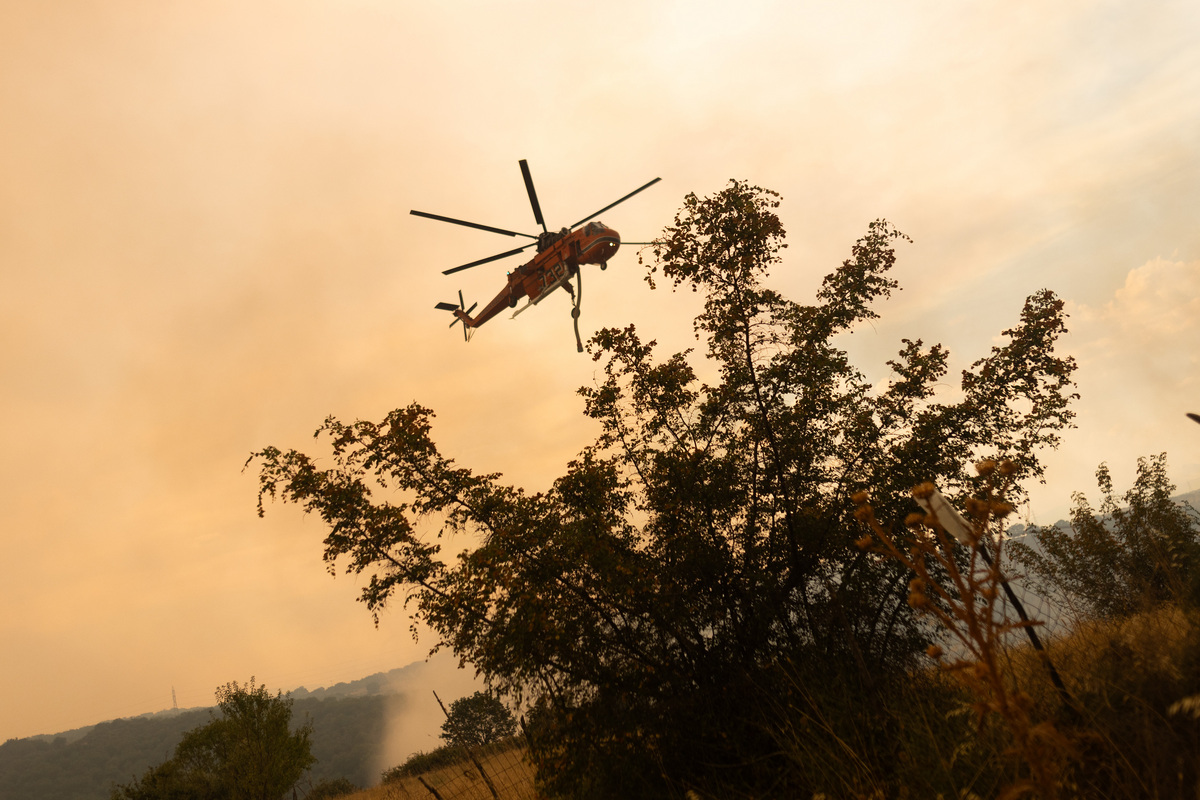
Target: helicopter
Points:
(558, 258)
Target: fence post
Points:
(525, 730)
(470, 755)
(432, 790)
(1068, 699)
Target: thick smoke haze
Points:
(414, 718)
(205, 248)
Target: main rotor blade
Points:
(537, 209)
(488, 228)
(610, 205)
(496, 257)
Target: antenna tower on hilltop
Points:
(174, 702)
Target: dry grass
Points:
(1132, 678)
(1102, 712)
(509, 770)
(1153, 646)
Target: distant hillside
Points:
(350, 728)
(87, 766)
(75, 734)
(1191, 498)
(396, 681)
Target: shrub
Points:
(421, 762)
(1133, 553)
(328, 789)
(248, 753)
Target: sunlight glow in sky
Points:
(205, 248)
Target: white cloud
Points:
(1146, 334)
(1139, 374)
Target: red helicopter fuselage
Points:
(560, 254)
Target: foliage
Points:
(1129, 675)
(346, 736)
(500, 769)
(1122, 728)
(420, 762)
(171, 780)
(248, 753)
(83, 764)
(1131, 554)
(328, 789)
(697, 560)
(447, 755)
(1132, 567)
(478, 720)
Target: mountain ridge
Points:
(360, 728)
(378, 683)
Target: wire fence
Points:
(496, 772)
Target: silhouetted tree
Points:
(477, 720)
(694, 567)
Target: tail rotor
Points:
(461, 314)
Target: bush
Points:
(1132, 554)
(329, 789)
(248, 753)
(420, 762)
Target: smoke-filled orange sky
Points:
(205, 248)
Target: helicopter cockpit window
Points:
(594, 228)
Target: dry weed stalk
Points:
(963, 600)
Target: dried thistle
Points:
(965, 606)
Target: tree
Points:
(248, 753)
(477, 720)
(694, 567)
(1132, 554)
